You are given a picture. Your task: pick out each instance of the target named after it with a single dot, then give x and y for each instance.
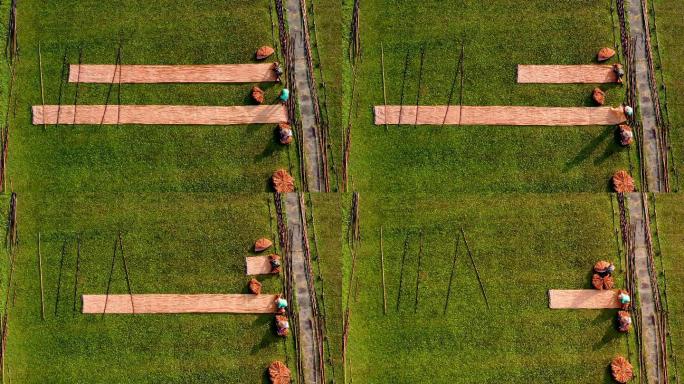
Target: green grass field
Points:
(669, 33)
(327, 264)
(191, 244)
(522, 245)
(670, 242)
(498, 35)
(327, 42)
(228, 159)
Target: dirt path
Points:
(652, 157)
(306, 108)
(649, 333)
(307, 339)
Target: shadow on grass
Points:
(606, 318)
(272, 147)
(591, 147)
(269, 337)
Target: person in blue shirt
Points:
(284, 95)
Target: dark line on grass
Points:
(118, 90)
(382, 268)
(40, 272)
(384, 89)
(401, 273)
(460, 97)
(109, 281)
(457, 240)
(420, 257)
(78, 270)
(420, 82)
(128, 279)
(59, 278)
(477, 272)
(61, 87)
(42, 88)
(111, 85)
(403, 82)
(457, 69)
(78, 81)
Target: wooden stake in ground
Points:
(477, 273)
(40, 273)
(382, 268)
(42, 88)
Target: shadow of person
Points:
(590, 148)
(272, 147)
(611, 333)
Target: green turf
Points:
(669, 23)
(328, 47)
(327, 264)
(230, 159)
(522, 245)
(669, 242)
(192, 244)
(498, 35)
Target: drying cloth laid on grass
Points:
(159, 114)
(172, 303)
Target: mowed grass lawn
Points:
(669, 28)
(523, 246)
(174, 243)
(498, 36)
(670, 210)
(90, 158)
